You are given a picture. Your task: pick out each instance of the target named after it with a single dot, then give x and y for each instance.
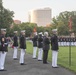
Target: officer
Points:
(67, 41)
(62, 40)
(15, 44)
(40, 46)
(0, 40)
(59, 41)
(35, 38)
(54, 47)
(46, 47)
(75, 41)
(23, 47)
(3, 50)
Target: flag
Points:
(70, 23)
(34, 30)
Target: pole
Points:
(70, 31)
(70, 50)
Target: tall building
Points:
(41, 17)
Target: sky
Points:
(22, 7)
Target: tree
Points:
(40, 29)
(28, 27)
(61, 22)
(6, 17)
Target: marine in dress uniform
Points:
(72, 41)
(15, 44)
(23, 47)
(46, 47)
(75, 41)
(67, 41)
(35, 38)
(54, 48)
(3, 49)
(40, 46)
(59, 41)
(62, 40)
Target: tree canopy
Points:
(61, 22)
(6, 17)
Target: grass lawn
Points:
(63, 56)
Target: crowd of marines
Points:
(41, 42)
(67, 41)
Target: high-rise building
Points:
(41, 16)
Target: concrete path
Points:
(32, 67)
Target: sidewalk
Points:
(32, 67)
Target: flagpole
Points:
(70, 31)
(70, 50)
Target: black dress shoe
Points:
(3, 70)
(45, 63)
(22, 64)
(39, 60)
(15, 58)
(55, 67)
(34, 58)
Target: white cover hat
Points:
(35, 33)
(45, 33)
(15, 31)
(40, 33)
(3, 29)
(22, 30)
(54, 30)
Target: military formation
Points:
(41, 45)
(4, 44)
(67, 41)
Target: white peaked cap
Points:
(45, 33)
(35, 33)
(40, 33)
(3, 29)
(15, 31)
(22, 30)
(54, 30)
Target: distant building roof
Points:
(17, 21)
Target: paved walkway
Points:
(33, 67)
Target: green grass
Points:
(63, 56)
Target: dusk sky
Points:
(22, 7)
